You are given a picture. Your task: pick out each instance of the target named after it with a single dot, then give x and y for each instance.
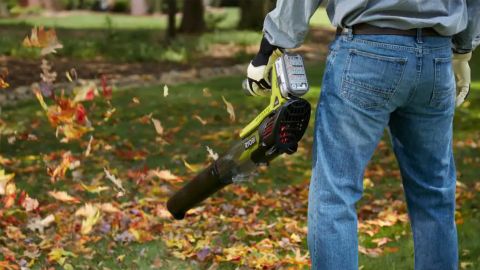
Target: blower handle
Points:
(200, 188)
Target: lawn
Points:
(118, 37)
(227, 19)
(257, 224)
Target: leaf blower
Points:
(275, 131)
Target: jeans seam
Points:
(399, 47)
(437, 93)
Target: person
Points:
(390, 66)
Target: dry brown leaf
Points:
(230, 109)
(166, 175)
(202, 121)
(158, 126)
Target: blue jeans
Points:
(373, 82)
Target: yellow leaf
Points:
(63, 196)
(192, 167)
(92, 216)
(39, 96)
(4, 179)
(206, 92)
(295, 238)
(94, 189)
(165, 91)
(59, 255)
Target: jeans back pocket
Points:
(370, 80)
(443, 95)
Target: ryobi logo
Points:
(250, 142)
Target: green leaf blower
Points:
(275, 131)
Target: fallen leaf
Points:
(29, 204)
(85, 93)
(206, 92)
(94, 189)
(63, 196)
(203, 122)
(165, 91)
(3, 79)
(158, 126)
(71, 75)
(117, 182)
(212, 154)
(108, 208)
(91, 213)
(230, 109)
(59, 255)
(38, 224)
(192, 167)
(4, 179)
(164, 175)
(89, 147)
(41, 38)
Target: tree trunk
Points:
(253, 13)
(172, 12)
(193, 20)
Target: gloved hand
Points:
(259, 70)
(462, 75)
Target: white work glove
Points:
(259, 71)
(463, 78)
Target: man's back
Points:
(287, 25)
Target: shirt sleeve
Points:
(287, 25)
(469, 39)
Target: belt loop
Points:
(419, 35)
(348, 32)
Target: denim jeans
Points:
(373, 82)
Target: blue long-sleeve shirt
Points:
(287, 25)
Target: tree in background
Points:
(172, 12)
(193, 21)
(253, 13)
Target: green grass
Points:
(116, 37)
(176, 111)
